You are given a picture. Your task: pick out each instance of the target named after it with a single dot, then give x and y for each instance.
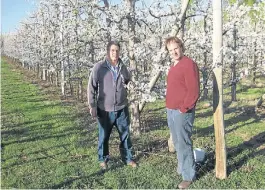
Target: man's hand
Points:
(93, 112)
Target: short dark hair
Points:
(113, 42)
(176, 40)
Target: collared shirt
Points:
(114, 70)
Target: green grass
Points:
(51, 143)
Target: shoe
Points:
(103, 165)
(184, 184)
(132, 164)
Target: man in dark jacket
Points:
(107, 99)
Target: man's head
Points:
(175, 48)
(113, 51)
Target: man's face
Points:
(114, 53)
(175, 51)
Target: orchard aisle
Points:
(50, 143)
(45, 142)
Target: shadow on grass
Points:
(255, 142)
(20, 128)
(252, 145)
(67, 182)
(93, 178)
(244, 114)
(242, 117)
(200, 132)
(244, 88)
(210, 112)
(20, 138)
(25, 158)
(153, 120)
(150, 147)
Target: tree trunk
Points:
(261, 100)
(205, 79)
(108, 21)
(205, 69)
(80, 91)
(62, 78)
(57, 78)
(62, 52)
(44, 74)
(135, 114)
(254, 58)
(254, 62)
(233, 79)
(218, 116)
(38, 71)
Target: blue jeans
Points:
(106, 121)
(181, 125)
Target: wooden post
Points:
(220, 149)
(171, 147)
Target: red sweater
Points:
(183, 85)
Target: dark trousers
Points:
(106, 121)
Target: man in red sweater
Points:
(182, 94)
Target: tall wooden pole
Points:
(221, 172)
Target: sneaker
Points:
(132, 164)
(103, 165)
(184, 184)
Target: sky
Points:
(14, 11)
